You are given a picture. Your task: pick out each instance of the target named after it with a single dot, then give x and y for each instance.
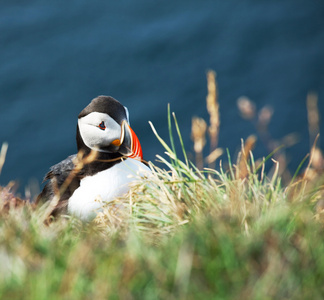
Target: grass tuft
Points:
(182, 233)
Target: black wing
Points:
(56, 177)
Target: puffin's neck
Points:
(102, 161)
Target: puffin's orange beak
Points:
(136, 146)
(129, 143)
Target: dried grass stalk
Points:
(246, 107)
(213, 109)
(313, 116)
(3, 154)
(198, 135)
(242, 166)
(213, 156)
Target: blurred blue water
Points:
(56, 56)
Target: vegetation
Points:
(183, 233)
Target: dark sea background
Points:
(55, 56)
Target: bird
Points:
(109, 158)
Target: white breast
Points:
(106, 186)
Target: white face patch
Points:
(93, 136)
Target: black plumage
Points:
(55, 179)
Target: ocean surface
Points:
(55, 56)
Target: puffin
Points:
(108, 160)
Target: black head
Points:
(107, 105)
(104, 126)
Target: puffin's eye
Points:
(102, 125)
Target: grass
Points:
(183, 233)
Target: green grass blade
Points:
(298, 169)
(164, 144)
(268, 157)
(230, 164)
(170, 131)
(180, 139)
